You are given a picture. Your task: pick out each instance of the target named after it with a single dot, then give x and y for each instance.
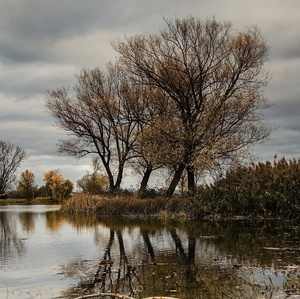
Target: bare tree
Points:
(11, 157)
(99, 115)
(212, 79)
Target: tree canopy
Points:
(27, 184)
(186, 99)
(57, 187)
(212, 78)
(99, 115)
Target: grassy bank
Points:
(35, 201)
(260, 190)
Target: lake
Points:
(48, 254)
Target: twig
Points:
(7, 292)
(105, 294)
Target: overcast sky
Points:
(45, 43)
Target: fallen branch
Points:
(118, 296)
(281, 248)
(103, 295)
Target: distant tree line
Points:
(55, 188)
(185, 100)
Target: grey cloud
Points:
(18, 51)
(286, 46)
(30, 28)
(26, 80)
(43, 44)
(54, 19)
(31, 135)
(50, 18)
(285, 110)
(283, 142)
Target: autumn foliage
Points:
(27, 184)
(57, 187)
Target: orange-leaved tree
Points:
(57, 187)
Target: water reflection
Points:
(27, 221)
(193, 259)
(72, 255)
(11, 243)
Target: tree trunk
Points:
(119, 177)
(145, 179)
(111, 183)
(175, 180)
(191, 179)
(109, 174)
(178, 243)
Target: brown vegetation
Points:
(259, 190)
(122, 206)
(263, 189)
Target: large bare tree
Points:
(11, 157)
(212, 78)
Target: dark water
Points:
(46, 254)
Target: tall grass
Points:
(81, 203)
(262, 189)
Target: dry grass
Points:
(81, 203)
(129, 205)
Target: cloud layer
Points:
(44, 44)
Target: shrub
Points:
(261, 189)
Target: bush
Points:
(261, 189)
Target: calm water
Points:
(46, 254)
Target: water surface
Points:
(47, 254)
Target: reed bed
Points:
(263, 189)
(119, 205)
(81, 203)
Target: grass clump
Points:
(81, 203)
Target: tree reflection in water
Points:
(143, 269)
(11, 243)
